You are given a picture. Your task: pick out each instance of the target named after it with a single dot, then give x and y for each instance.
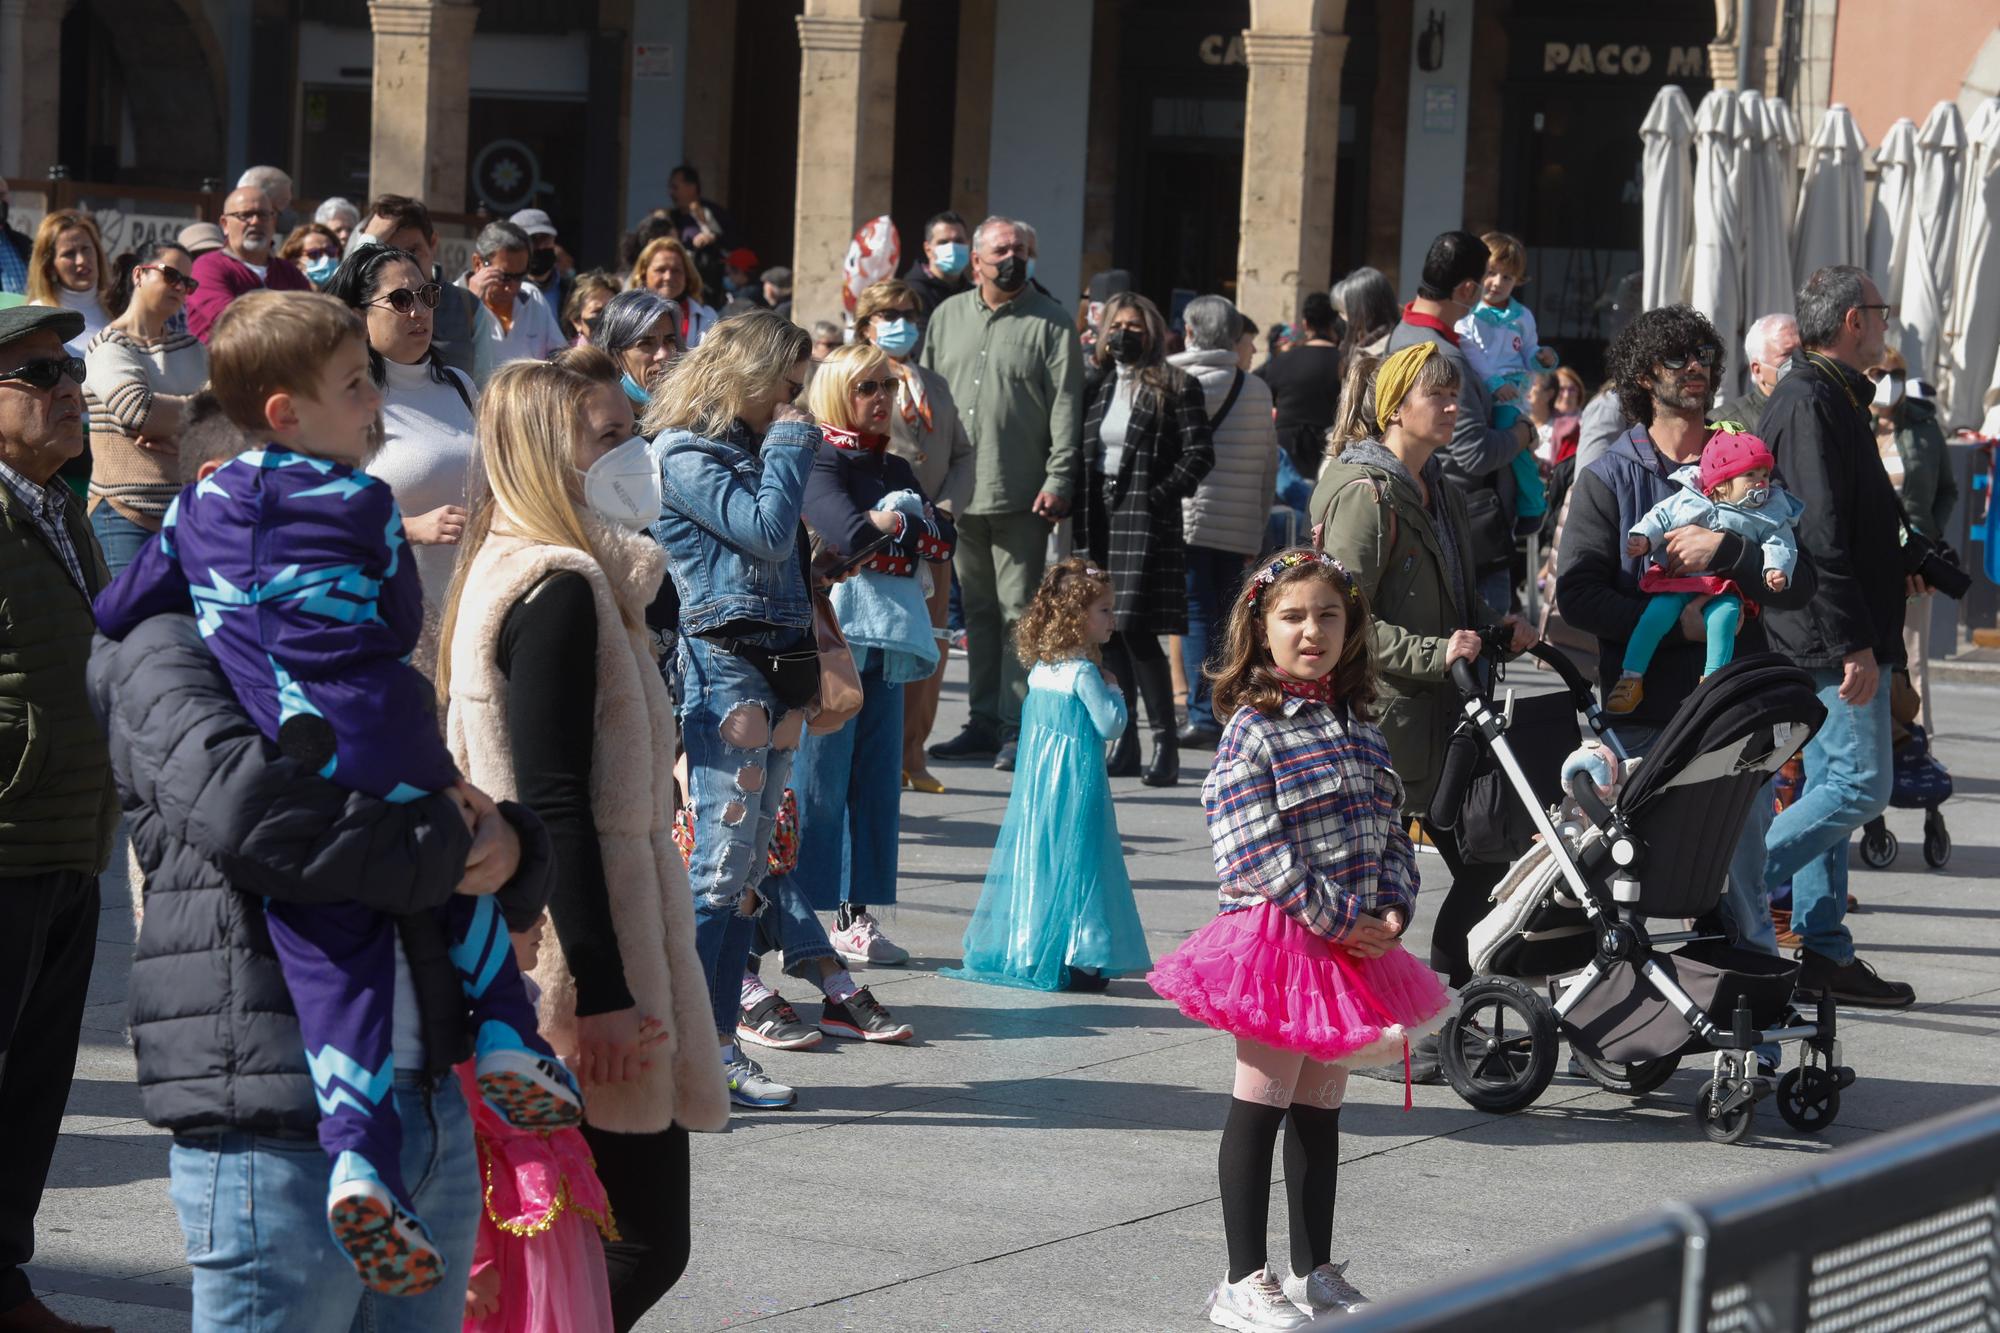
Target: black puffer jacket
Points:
(219, 822)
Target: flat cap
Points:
(200, 237)
(21, 320)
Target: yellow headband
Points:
(1395, 376)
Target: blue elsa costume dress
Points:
(1057, 898)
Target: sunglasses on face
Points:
(404, 299)
(1707, 356)
(510, 279)
(869, 388)
(173, 277)
(793, 388)
(45, 373)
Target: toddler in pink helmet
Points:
(1730, 490)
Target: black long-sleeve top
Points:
(846, 483)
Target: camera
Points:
(1936, 564)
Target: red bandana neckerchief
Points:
(1411, 315)
(853, 440)
(1320, 690)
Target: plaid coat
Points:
(1131, 523)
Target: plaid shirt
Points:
(45, 505)
(1304, 809)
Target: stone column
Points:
(30, 87)
(423, 73)
(847, 140)
(1291, 133)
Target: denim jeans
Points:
(252, 1210)
(1213, 578)
(120, 537)
(740, 744)
(1848, 779)
(849, 785)
(1497, 590)
(789, 925)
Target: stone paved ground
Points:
(1047, 1162)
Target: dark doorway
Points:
(926, 107)
(764, 132)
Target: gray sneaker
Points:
(861, 943)
(1324, 1291)
(1257, 1304)
(774, 1023)
(750, 1086)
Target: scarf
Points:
(1369, 453)
(853, 440)
(1320, 690)
(1395, 376)
(914, 402)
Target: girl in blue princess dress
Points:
(1057, 910)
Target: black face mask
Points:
(541, 262)
(1126, 346)
(1011, 273)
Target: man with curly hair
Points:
(1664, 366)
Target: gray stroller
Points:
(1585, 906)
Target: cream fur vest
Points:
(631, 785)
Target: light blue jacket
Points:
(1770, 526)
(888, 611)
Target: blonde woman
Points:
(664, 267)
(68, 268)
(553, 698)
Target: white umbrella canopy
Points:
(1771, 143)
(1973, 330)
(1925, 300)
(1668, 173)
(1832, 222)
(1889, 215)
(1715, 283)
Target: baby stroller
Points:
(1581, 907)
(1921, 783)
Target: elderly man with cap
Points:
(545, 268)
(247, 261)
(61, 810)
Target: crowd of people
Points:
(491, 670)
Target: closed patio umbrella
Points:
(1973, 337)
(1832, 224)
(1889, 215)
(1715, 285)
(1925, 300)
(1770, 145)
(1668, 173)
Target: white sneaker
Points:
(1324, 1291)
(1257, 1304)
(863, 944)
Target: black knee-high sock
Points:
(1312, 1170)
(1244, 1169)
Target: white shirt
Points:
(535, 335)
(427, 458)
(94, 318)
(1117, 417)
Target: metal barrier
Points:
(1902, 1233)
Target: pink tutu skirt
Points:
(1257, 973)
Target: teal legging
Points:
(1721, 615)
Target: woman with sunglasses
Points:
(140, 376)
(315, 250)
(428, 446)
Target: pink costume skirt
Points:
(1257, 973)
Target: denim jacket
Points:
(729, 522)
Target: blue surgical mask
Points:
(896, 336)
(635, 391)
(1031, 268)
(950, 258)
(321, 269)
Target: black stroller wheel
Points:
(1808, 1099)
(1632, 1080)
(1878, 845)
(1730, 1127)
(1499, 1051)
(1937, 840)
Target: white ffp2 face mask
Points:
(624, 485)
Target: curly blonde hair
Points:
(1052, 629)
(1246, 678)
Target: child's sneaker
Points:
(525, 1088)
(392, 1251)
(772, 1022)
(750, 1086)
(1324, 1291)
(860, 942)
(1257, 1304)
(861, 1017)
(1626, 694)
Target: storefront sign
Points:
(1629, 61)
(1222, 49)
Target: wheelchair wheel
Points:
(1733, 1127)
(1878, 845)
(1499, 1051)
(1632, 1080)
(1937, 840)
(1808, 1099)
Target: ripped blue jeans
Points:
(740, 743)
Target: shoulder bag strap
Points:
(1235, 387)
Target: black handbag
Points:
(1493, 826)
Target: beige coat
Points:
(631, 800)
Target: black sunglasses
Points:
(175, 278)
(45, 373)
(793, 389)
(404, 299)
(1708, 356)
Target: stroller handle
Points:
(1495, 639)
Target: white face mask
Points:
(624, 485)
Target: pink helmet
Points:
(1729, 455)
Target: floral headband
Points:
(1296, 560)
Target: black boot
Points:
(1123, 761)
(1156, 685)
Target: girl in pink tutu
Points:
(1304, 963)
(539, 1263)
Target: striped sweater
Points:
(124, 373)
